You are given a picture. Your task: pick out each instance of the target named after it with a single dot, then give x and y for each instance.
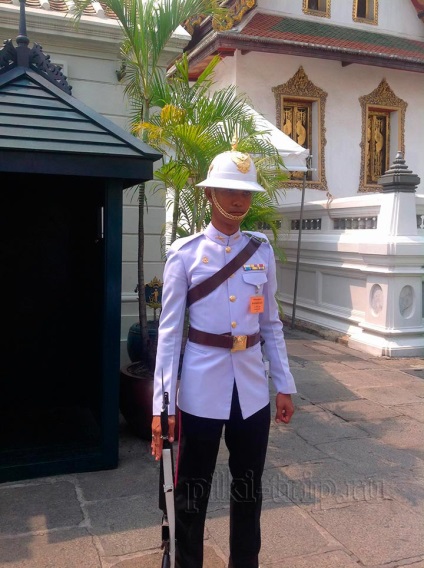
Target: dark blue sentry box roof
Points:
(44, 129)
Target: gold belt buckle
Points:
(239, 343)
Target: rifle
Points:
(166, 488)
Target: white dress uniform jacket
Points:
(208, 373)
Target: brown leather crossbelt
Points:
(226, 340)
(208, 285)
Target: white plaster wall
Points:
(91, 59)
(394, 16)
(290, 7)
(257, 73)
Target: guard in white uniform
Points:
(224, 383)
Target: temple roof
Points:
(249, 29)
(304, 37)
(98, 9)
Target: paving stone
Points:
(287, 447)
(150, 560)
(401, 362)
(401, 432)
(286, 524)
(130, 478)
(210, 560)
(23, 506)
(318, 427)
(360, 364)
(276, 486)
(306, 405)
(361, 411)
(413, 564)
(297, 363)
(414, 410)
(321, 485)
(396, 532)
(126, 525)
(319, 356)
(340, 348)
(316, 389)
(369, 456)
(332, 559)
(388, 396)
(366, 378)
(334, 368)
(280, 525)
(325, 347)
(415, 372)
(59, 549)
(407, 490)
(318, 351)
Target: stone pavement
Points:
(343, 485)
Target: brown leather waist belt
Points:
(226, 340)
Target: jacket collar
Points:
(218, 237)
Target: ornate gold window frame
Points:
(323, 8)
(299, 87)
(382, 98)
(371, 9)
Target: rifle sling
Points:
(208, 285)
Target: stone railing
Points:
(360, 268)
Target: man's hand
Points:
(285, 408)
(157, 442)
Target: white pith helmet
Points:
(232, 170)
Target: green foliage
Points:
(147, 27)
(190, 126)
(183, 120)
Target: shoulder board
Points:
(179, 243)
(258, 236)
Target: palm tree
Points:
(190, 128)
(147, 27)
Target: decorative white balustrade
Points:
(361, 265)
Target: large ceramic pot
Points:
(134, 348)
(135, 399)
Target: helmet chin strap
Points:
(223, 212)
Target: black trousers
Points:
(247, 442)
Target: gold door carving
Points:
(299, 104)
(297, 119)
(378, 145)
(380, 109)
